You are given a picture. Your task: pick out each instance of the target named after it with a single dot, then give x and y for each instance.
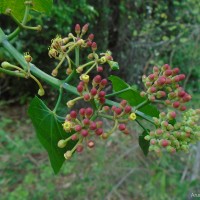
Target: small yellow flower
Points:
(85, 78)
(28, 57)
(67, 126)
(132, 116)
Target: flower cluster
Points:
(174, 136)
(96, 92)
(163, 84)
(61, 47)
(85, 128)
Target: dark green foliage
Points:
(49, 131)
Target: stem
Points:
(118, 92)
(141, 125)
(105, 116)
(142, 104)
(13, 73)
(59, 99)
(17, 30)
(21, 25)
(36, 80)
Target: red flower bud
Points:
(93, 126)
(99, 131)
(79, 148)
(89, 43)
(86, 97)
(77, 128)
(152, 89)
(127, 109)
(161, 80)
(122, 127)
(74, 137)
(123, 103)
(82, 112)
(102, 94)
(99, 69)
(183, 108)
(88, 112)
(90, 144)
(93, 91)
(166, 67)
(181, 93)
(175, 71)
(151, 77)
(73, 114)
(164, 143)
(94, 46)
(176, 104)
(91, 37)
(80, 88)
(102, 100)
(97, 79)
(103, 83)
(168, 72)
(84, 133)
(186, 97)
(85, 28)
(168, 81)
(172, 115)
(86, 121)
(106, 108)
(118, 111)
(77, 29)
(181, 77)
(176, 78)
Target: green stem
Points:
(141, 125)
(59, 99)
(21, 25)
(142, 104)
(17, 30)
(118, 92)
(13, 73)
(105, 116)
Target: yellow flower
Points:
(132, 116)
(85, 78)
(67, 126)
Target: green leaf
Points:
(144, 144)
(49, 131)
(18, 7)
(132, 96)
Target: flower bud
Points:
(103, 83)
(80, 88)
(82, 112)
(93, 91)
(176, 104)
(54, 72)
(91, 37)
(86, 97)
(123, 103)
(85, 29)
(84, 133)
(70, 103)
(99, 131)
(79, 148)
(102, 94)
(77, 29)
(99, 69)
(79, 69)
(68, 155)
(127, 109)
(122, 127)
(93, 126)
(88, 112)
(94, 46)
(90, 144)
(74, 137)
(97, 79)
(78, 128)
(62, 143)
(73, 114)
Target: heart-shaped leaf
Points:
(49, 131)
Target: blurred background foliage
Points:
(141, 34)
